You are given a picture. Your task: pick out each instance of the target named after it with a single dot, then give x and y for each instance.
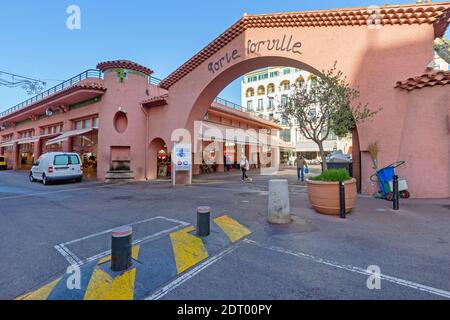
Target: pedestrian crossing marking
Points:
(182, 249)
(42, 293)
(103, 287)
(233, 229)
(188, 249)
(134, 255)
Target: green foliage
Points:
(333, 175)
(326, 105)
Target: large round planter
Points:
(324, 196)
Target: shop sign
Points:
(183, 157)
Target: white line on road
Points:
(74, 260)
(58, 191)
(190, 274)
(351, 268)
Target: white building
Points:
(264, 91)
(440, 64)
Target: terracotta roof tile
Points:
(124, 64)
(89, 85)
(434, 13)
(440, 78)
(157, 101)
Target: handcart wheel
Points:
(405, 194)
(390, 196)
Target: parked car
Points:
(3, 163)
(57, 166)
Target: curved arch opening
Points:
(159, 160)
(272, 90)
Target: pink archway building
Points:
(385, 58)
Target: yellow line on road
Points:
(188, 249)
(103, 287)
(42, 293)
(233, 229)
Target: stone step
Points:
(119, 176)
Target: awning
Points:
(74, 133)
(7, 144)
(28, 140)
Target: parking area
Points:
(44, 229)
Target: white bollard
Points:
(279, 207)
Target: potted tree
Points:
(324, 106)
(323, 191)
(328, 105)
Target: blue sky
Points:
(158, 34)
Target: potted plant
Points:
(323, 191)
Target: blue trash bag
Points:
(306, 170)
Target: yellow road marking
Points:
(233, 229)
(103, 287)
(188, 249)
(42, 293)
(134, 255)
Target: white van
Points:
(57, 166)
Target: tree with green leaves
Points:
(326, 105)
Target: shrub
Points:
(333, 175)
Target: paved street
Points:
(315, 257)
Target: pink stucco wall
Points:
(425, 142)
(372, 60)
(411, 126)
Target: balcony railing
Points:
(154, 81)
(88, 74)
(235, 106)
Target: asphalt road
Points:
(315, 257)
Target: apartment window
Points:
(261, 90)
(250, 92)
(249, 105)
(270, 88)
(274, 74)
(284, 100)
(260, 105)
(87, 123)
(96, 122)
(271, 103)
(285, 85)
(284, 121)
(285, 135)
(287, 71)
(78, 125)
(263, 76)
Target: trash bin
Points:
(341, 165)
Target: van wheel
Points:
(31, 178)
(44, 180)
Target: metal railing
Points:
(91, 73)
(236, 106)
(154, 81)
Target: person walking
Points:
(245, 166)
(228, 163)
(301, 165)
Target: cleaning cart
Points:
(385, 179)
